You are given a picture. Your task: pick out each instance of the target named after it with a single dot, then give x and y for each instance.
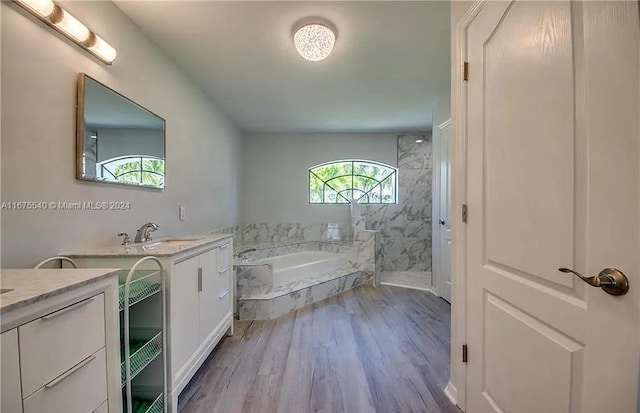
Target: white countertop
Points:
(30, 285)
(156, 248)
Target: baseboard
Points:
(452, 393)
(407, 286)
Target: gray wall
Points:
(38, 81)
(275, 173)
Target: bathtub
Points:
(270, 287)
(300, 265)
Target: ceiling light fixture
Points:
(58, 18)
(314, 41)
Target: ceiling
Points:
(389, 67)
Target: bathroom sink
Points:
(5, 290)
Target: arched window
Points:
(140, 170)
(353, 181)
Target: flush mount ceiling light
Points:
(58, 18)
(314, 41)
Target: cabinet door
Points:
(10, 393)
(208, 296)
(184, 313)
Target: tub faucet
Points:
(143, 233)
(243, 254)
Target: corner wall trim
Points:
(452, 393)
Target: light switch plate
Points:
(181, 213)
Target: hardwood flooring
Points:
(372, 349)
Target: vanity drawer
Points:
(223, 279)
(72, 334)
(78, 390)
(224, 252)
(223, 305)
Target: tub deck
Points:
(277, 285)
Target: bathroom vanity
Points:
(59, 341)
(199, 297)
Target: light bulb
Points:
(42, 8)
(70, 25)
(103, 50)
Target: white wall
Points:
(275, 173)
(39, 75)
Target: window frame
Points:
(394, 172)
(101, 169)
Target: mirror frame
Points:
(80, 105)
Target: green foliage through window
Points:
(137, 170)
(353, 181)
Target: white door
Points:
(552, 181)
(443, 281)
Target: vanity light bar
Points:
(61, 20)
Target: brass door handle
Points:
(611, 280)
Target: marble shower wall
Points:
(405, 229)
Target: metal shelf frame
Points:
(134, 291)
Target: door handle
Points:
(442, 222)
(611, 280)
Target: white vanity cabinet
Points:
(10, 392)
(198, 299)
(59, 342)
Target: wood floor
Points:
(372, 349)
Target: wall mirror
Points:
(117, 140)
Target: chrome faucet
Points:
(127, 240)
(143, 233)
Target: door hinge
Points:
(465, 71)
(465, 353)
(464, 213)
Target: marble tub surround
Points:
(405, 228)
(273, 249)
(259, 294)
(262, 232)
(277, 305)
(264, 291)
(255, 276)
(260, 297)
(253, 279)
(361, 250)
(31, 286)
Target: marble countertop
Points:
(160, 248)
(30, 285)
